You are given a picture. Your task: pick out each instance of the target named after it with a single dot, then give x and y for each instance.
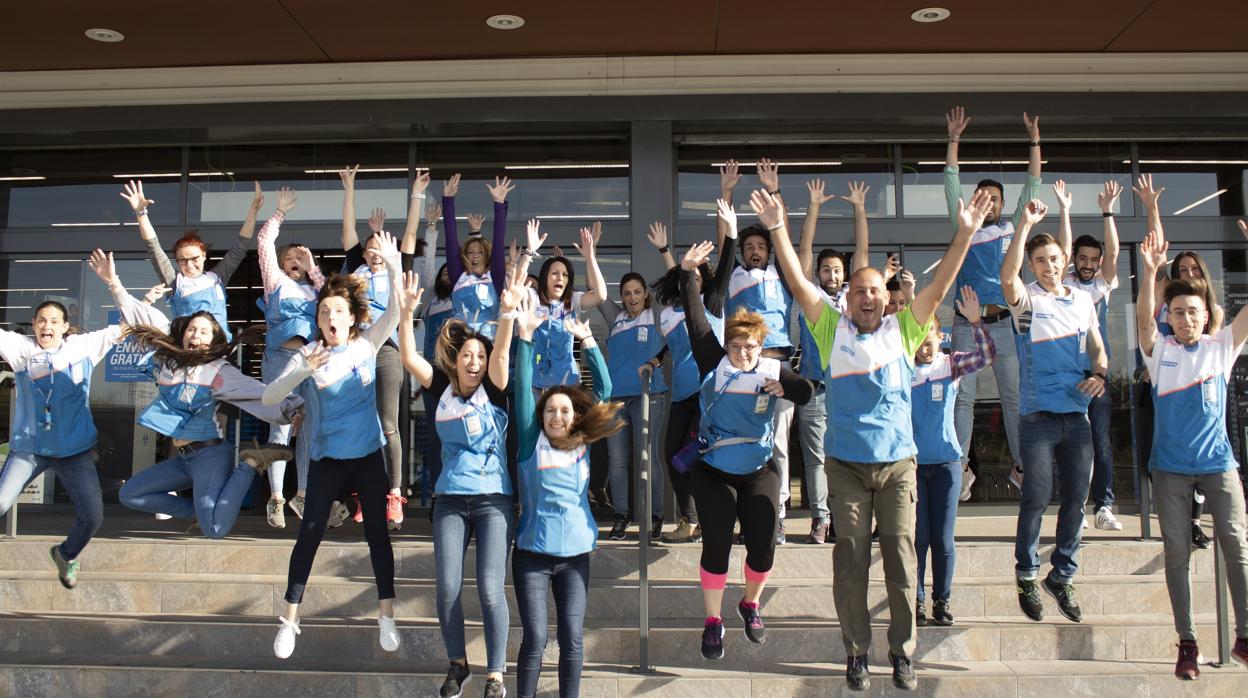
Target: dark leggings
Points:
(682, 425)
(389, 388)
(723, 499)
(325, 478)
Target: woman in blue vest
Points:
(334, 376)
(933, 389)
(193, 376)
(685, 412)
(733, 478)
(557, 530)
(634, 340)
(474, 490)
(477, 268)
(557, 305)
(52, 427)
(367, 262)
(193, 288)
(291, 281)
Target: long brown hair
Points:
(451, 340)
(486, 251)
(355, 291)
(593, 421)
(168, 345)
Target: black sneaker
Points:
(920, 614)
(713, 639)
(856, 673)
(1029, 599)
(940, 613)
(618, 526)
(1067, 604)
(457, 677)
(754, 628)
(1199, 539)
(495, 689)
(903, 673)
(656, 530)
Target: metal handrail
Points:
(643, 490)
(1225, 638)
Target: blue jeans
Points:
(275, 359)
(812, 424)
(1004, 369)
(939, 487)
(77, 473)
(217, 482)
(1102, 492)
(1049, 440)
(533, 575)
(623, 445)
(456, 518)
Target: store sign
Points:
(123, 364)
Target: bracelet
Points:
(530, 253)
(953, 140)
(419, 195)
(776, 226)
(508, 315)
(775, 193)
(1034, 144)
(1107, 214)
(1100, 375)
(140, 213)
(664, 249)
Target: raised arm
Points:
(806, 245)
(769, 178)
(266, 244)
(729, 176)
(408, 301)
(1150, 196)
(706, 349)
(1107, 199)
(133, 312)
(716, 296)
(498, 252)
(1152, 257)
(1031, 184)
(772, 217)
(416, 206)
(658, 239)
(956, 122)
(132, 192)
(593, 357)
(1064, 200)
(970, 218)
(350, 238)
(514, 296)
(249, 221)
(862, 235)
(381, 328)
(429, 261)
(597, 284)
(962, 363)
(1012, 285)
(301, 366)
(454, 264)
(233, 386)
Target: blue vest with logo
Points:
(204, 292)
(735, 406)
(476, 302)
(289, 312)
(633, 341)
(1052, 351)
(184, 407)
(762, 292)
(686, 379)
(51, 410)
(555, 518)
(553, 362)
(933, 391)
(341, 401)
(473, 434)
(378, 295)
(436, 315)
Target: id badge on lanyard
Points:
(938, 392)
(483, 292)
(472, 424)
(1209, 391)
(761, 403)
(643, 334)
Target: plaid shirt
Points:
(963, 363)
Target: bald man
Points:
(869, 359)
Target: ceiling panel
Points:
(387, 30)
(792, 26)
(49, 35)
(1188, 25)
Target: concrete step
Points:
(612, 560)
(241, 641)
(40, 676)
(609, 599)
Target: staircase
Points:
(161, 614)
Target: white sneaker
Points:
(388, 635)
(1016, 477)
(1106, 521)
(968, 479)
(1084, 523)
(165, 517)
(284, 643)
(338, 515)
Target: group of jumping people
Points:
(883, 412)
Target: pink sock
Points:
(712, 619)
(711, 580)
(749, 604)
(755, 576)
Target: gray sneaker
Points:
(276, 512)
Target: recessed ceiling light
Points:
(505, 22)
(108, 36)
(927, 15)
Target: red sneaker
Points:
(1188, 666)
(394, 511)
(1240, 651)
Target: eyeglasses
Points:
(188, 260)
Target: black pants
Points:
(325, 477)
(682, 426)
(722, 498)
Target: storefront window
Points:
(1201, 179)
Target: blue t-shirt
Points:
(1051, 333)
